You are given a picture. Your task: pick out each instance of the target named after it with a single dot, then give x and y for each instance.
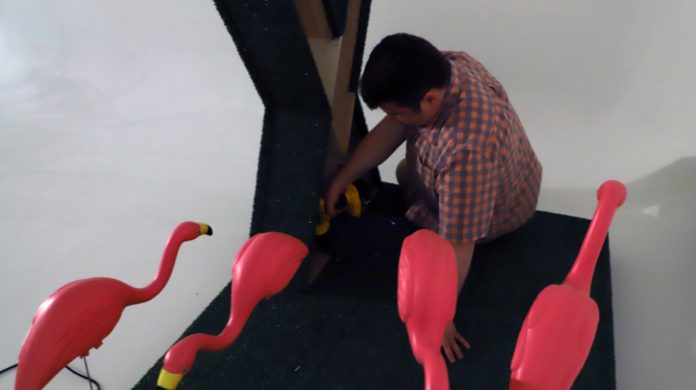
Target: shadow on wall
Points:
(653, 252)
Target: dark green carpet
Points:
(345, 333)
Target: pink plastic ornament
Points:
(427, 298)
(78, 316)
(263, 267)
(559, 329)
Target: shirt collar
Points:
(451, 98)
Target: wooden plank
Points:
(334, 60)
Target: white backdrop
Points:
(117, 121)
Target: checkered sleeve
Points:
(467, 190)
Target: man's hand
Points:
(451, 341)
(379, 144)
(336, 188)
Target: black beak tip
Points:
(210, 231)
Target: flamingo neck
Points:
(436, 376)
(580, 276)
(183, 353)
(239, 314)
(163, 273)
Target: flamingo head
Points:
(179, 360)
(614, 189)
(187, 231)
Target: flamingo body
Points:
(64, 328)
(560, 327)
(262, 268)
(556, 339)
(427, 299)
(78, 316)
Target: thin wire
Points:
(4, 370)
(89, 378)
(12, 367)
(81, 375)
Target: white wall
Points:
(117, 121)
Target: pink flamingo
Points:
(262, 268)
(78, 316)
(427, 298)
(559, 329)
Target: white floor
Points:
(117, 121)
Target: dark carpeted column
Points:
(272, 44)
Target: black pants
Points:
(381, 230)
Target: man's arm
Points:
(450, 344)
(379, 144)
(463, 253)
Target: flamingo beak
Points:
(168, 380)
(205, 229)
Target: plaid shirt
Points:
(479, 177)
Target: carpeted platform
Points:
(344, 332)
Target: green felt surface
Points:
(345, 333)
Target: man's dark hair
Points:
(401, 69)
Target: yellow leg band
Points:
(168, 380)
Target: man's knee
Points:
(407, 183)
(401, 172)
